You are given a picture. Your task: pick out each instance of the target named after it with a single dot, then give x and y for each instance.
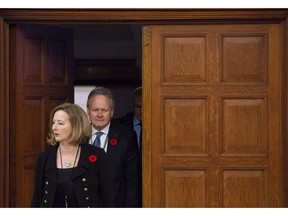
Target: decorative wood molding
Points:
(140, 15)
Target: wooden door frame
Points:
(125, 16)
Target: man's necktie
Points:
(97, 139)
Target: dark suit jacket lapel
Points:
(112, 134)
(83, 163)
(50, 168)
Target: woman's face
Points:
(61, 126)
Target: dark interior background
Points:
(110, 56)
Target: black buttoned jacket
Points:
(91, 179)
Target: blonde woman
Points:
(71, 173)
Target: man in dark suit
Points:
(120, 144)
(134, 119)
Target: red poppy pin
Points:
(92, 158)
(113, 141)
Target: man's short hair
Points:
(137, 92)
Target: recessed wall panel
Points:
(184, 59)
(33, 62)
(244, 58)
(34, 121)
(243, 188)
(57, 62)
(185, 188)
(188, 138)
(244, 126)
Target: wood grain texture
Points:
(274, 90)
(224, 122)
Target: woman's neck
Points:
(68, 148)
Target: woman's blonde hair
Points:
(81, 127)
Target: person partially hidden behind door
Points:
(134, 119)
(120, 144)
(72, 173)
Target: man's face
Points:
(138, 107)
(100, 111)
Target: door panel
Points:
(215, 137)
(42, 77)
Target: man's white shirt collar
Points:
(104, 130)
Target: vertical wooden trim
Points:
(275, 119)
(147, 117)
(2, 108)
(4, 116)
(285, 116)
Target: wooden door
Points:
(213, 116)
(41, 78)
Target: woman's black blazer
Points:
(91, 179)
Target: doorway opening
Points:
(109, 56)
(95, 60)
